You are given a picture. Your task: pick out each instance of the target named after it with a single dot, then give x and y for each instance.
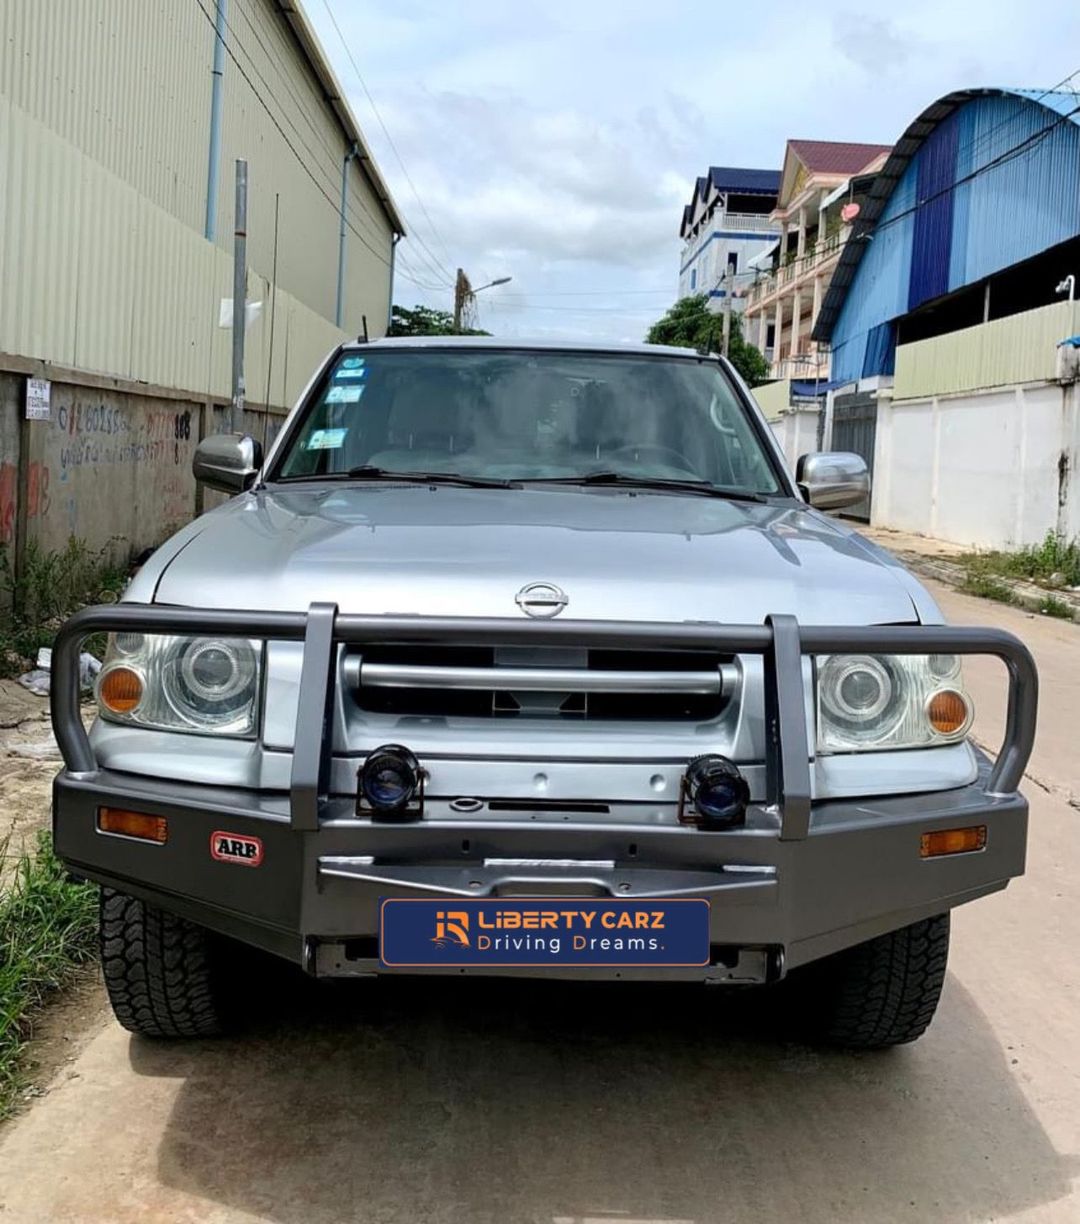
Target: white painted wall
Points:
(989, 469)
(796, 430)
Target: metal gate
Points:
(854, 429)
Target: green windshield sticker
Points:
(326, 439)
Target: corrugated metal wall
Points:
(272, 103)
(127, 82)
(1002, 212)
(880, 291)
(1019, 349)
(1029, 201)
(98, 278)
(104, 130)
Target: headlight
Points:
(201, 685)
(875, 702)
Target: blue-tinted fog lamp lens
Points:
(389, 778)
(717, 790)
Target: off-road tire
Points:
(883, 992)
(159, 970)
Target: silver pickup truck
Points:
(533, 659)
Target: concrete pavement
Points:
(462, 1102)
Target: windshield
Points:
(517, 415)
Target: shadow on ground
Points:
(444, 1100)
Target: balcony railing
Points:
(755, 222)
(797, 269)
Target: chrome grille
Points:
(553, 683)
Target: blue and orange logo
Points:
(451, 929)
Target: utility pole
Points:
(239, 311)
(464, 293)
(730, 279)
(462, 290)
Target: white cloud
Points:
(557, 141)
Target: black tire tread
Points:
(884, 992)
(158, 970)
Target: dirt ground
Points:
(28, 762)
(458, 1102)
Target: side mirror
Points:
(832, 480)
(229, 462)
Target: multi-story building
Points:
(819, 182)
(726, 224)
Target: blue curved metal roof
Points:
(929, 196)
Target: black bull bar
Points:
(781, 641)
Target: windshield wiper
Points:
(367, 471)
(648, 482)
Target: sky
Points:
(556, 141)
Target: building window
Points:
(733, 262)
(693, 278)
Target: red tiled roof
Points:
(836, 156)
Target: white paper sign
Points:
(38, 396)
(252, 310)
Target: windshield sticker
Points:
(348, 375)
(326, 439)
(344, 395)
(352, 363)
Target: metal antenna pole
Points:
(239, 316)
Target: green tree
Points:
(691, 324)
(424, 321)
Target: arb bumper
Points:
(303, 875)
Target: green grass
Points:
(1033, 563)
(978, 582)
(1056, 607)
(51, 586)
(48, 928)
(987, 574)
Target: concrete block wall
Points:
(111, 467)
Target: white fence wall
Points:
(796, 430)
(989, 469)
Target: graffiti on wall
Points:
(114, 469)
(8, 485)
(37, 496)
(105, 434)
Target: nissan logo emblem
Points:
(541, 599)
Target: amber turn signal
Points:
(133, 824)
(948, 711)
(120, 689)
(952, 841)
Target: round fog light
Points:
(717, 790)
(389, 778)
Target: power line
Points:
(1007, 155)
(292, 148)
(624, 310)
(333, 154)
(983, 140)
(587, 293)
(390, 141)
(413, 275)
(1025, 146)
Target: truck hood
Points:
(443, 550)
